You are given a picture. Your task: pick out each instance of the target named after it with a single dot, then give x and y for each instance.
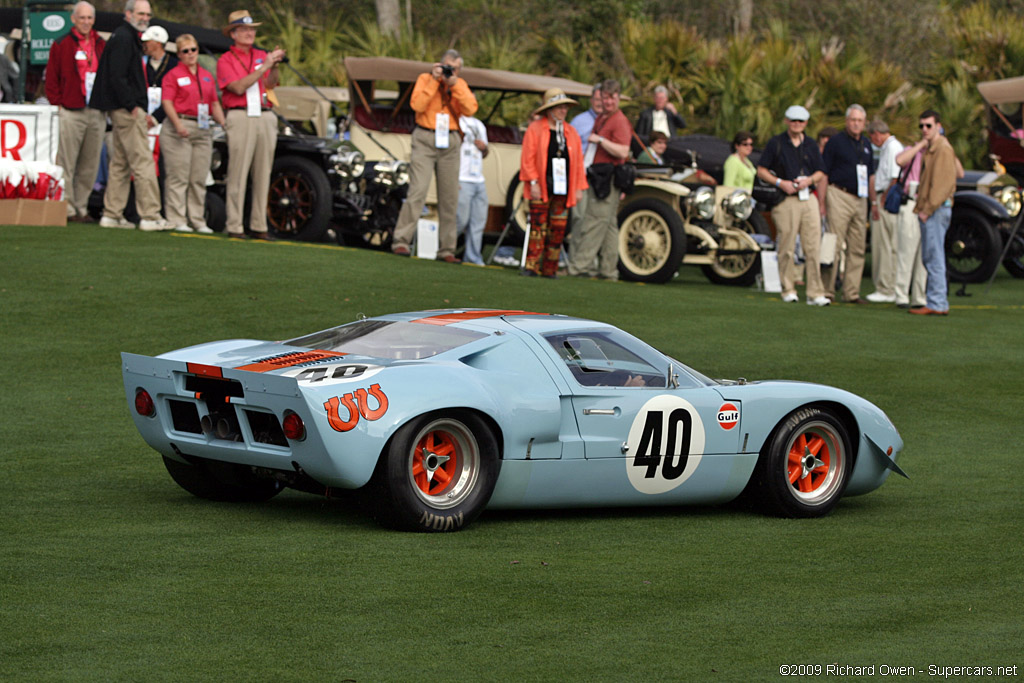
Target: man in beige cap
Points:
(244, 73)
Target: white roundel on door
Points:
(666, 442)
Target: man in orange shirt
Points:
(439, 98)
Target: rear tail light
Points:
(144, 405)
(293, 427)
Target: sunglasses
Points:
(798, 121)
(925, 126)
(187, 50)
(747, 143)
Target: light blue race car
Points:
(436, 415)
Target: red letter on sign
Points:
(21, 138)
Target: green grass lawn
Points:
(109, 571)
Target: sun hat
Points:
(239, 18)
(157, 33)
(552, 98)
(797, 113)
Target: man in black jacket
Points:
(120, 91)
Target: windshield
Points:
(388, 339)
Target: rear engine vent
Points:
(185, 417)
(266, 428)
(212, 388)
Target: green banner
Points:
(46, 28)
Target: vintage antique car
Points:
(436, 415)
(667, 220)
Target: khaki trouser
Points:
(911, 276)
(251, 143)
(428, 161)
(847, 219)
(792, 217)
(78, 153)
(131, 158)
(186, 165)
(597, 236)
(883, 249)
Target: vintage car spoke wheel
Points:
(973, 247)
(299, 204)
(737, 269)
(805, 465)
(652, 241)
(222, 481)
(440, 471)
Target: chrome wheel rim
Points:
(444, 464)
(815, 459)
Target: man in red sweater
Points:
(70, 73)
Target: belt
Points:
(846, 190)
(431, 130)
(245, 108)
(186, 116)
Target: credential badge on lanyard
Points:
(441, 130)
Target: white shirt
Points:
(471, 160)
(887, 170)
(659, 122)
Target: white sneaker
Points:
(790, 298)
(879, 298)
(154, 226)
(203, 229)
(510, 261)
(106, 222)
(818, 301)
(183, 228)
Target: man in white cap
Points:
(120, 90)
(792, 162)
(158, 63)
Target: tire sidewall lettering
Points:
(663, 421)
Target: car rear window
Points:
(388, 339)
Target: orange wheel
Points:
(804, 467)
(440, 472)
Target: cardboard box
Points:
(33, 212)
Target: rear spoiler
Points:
(171, 370)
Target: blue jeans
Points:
(471, 217)
(933, 256)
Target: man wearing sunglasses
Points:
(934, 207)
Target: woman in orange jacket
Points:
(551, 170)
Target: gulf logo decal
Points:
(728, 416)
(356, 405)
(666, 443)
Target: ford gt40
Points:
(437, 415)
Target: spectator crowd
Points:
(574, 171)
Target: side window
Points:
(595, 360)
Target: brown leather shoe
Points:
(449, 258)
(265, 236)
(924, 310)
(401, 250)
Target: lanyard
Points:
(199, 83)
(560, 137)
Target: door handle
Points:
(600, 411)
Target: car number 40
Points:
(666, 442)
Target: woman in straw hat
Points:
(551, 170)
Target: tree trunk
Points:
(389, 18)
(744, 16)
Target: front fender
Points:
(989, 206)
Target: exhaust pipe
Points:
(226, 430)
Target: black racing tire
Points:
(973, 246)
(215, 212)
(1014, 261)
(804, 466)
(438, 473)
(222, 481)
(299, 205)
(739, 270)
(652, 241)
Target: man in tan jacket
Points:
(934, 209)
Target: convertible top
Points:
(407, 71)
(1003, 91)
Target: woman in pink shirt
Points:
(189, 94)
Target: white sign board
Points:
(29, 132)
(426, 239)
